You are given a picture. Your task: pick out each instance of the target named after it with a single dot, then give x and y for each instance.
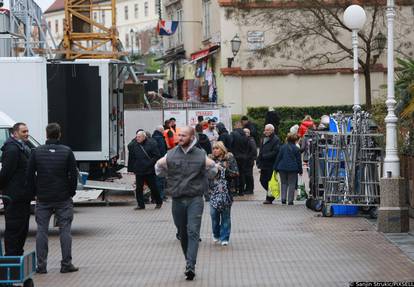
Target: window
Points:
(146, 8)
(157, 7)
(126, 12)
(206, 19)
(136, 11)
(180, 27)
(126, 40)
(95, 17)
(103, 17)
(170, 39)
(63, 25)
(56, 26)
(4, 135)
(49, 25)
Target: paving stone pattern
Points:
(269, 246)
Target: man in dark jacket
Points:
(251, 126)
(158, 136)
(224, 135)
(269, 149)
(249, 179)
(52, 176)
(187, 169)
(202, 139)
(12, 182)
(143, 154)
(240, 148)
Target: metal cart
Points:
(345, 167)
(16, 270)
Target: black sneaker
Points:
(41, 271)
(158, 206)
(68, 268)
(189, 274)
(290, 203)
(139, 207)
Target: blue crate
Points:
(84, 177)
(17, 269)
(345, 210)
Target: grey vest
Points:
(187, 175)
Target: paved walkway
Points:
(270, 246)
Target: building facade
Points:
(136, 23)
(192, 55)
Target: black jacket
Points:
(13, 172)
(252, 151)
(159, 138)
(52, 175)
(224, 136)
(268, 153)
(204, 143)
(140, 162)
(240, 146)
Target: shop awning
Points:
(203, 53)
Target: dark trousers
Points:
(187, 214)
(265, 176)
(151, 181)
(64, 215)
(160, 185)
(241, 164)
(249, 180)
(17, 216)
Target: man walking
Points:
(269, 149)
(143, 155)
(53, 177)
(240, 147)
(158, 136)
(14, 161)
(187, 168)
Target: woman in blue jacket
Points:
(288, 164)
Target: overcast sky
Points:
(44, 4)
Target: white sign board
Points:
(207, 114)
(255, 40)
(179, 115)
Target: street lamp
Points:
(132, 41)
(391, 160)
(235, 47)
(354, 19)
(378, 44)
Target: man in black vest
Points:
(12, 182)
(53, 177)
(187, 168)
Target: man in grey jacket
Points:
(187, 169)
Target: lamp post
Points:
(132, 41)
(391, 160)
(354, 19)
(235, 47)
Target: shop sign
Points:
(207, 114)
(179, 115)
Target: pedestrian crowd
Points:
(192, 165)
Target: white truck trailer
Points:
(83, 96)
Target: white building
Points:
(135, 20)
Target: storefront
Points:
(199, 76)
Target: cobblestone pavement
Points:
(270, 246)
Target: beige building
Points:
(280, 78)
(202, 46)
(136, 23)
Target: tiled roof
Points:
(58, 5)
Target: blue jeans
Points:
(221, 223)
(187, 213)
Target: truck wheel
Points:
(28, 283)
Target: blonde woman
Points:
(220, 197)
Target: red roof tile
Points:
(58, 5)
